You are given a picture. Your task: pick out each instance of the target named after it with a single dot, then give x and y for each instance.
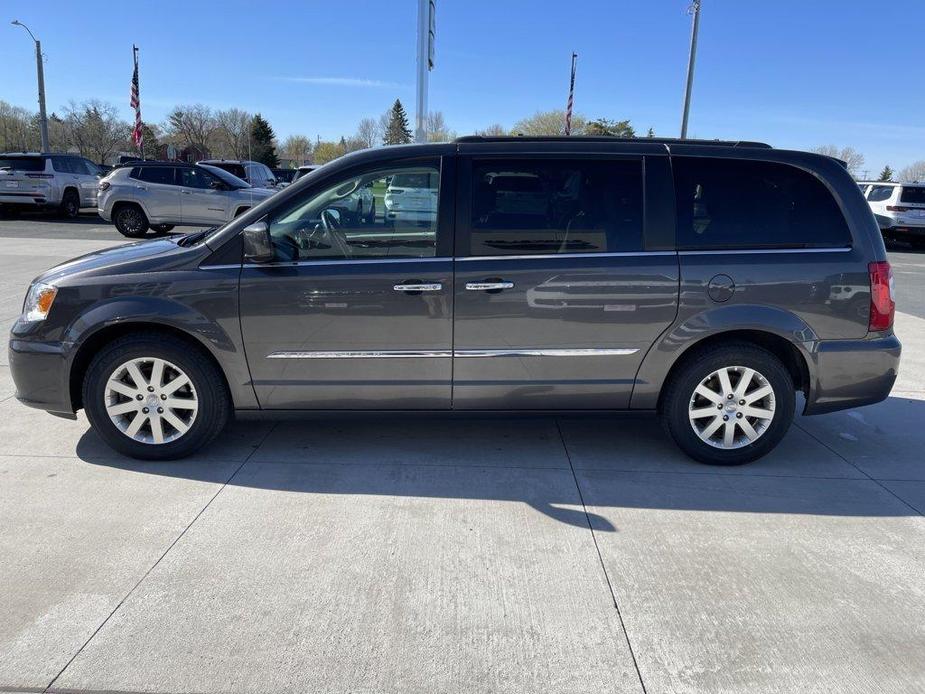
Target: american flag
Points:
(571, 98)
(135, 103)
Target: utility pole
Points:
(43, 120)
(694, 10)
(426, 29)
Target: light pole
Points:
(425, 63)
(43, 121)
(694, 9)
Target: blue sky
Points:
(795, 73)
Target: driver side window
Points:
(389, 212)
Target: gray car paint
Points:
(196, 290)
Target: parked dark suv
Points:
(704, 281)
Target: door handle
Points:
(141, 187)
(418, 287)
(489, 286)
(187, 192)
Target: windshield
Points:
(22, 163)
(226, 177)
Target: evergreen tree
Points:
(650, 132)
(886, 174)
(398, 132)
(149, 142)
(263, 142)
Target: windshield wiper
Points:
(195, 237)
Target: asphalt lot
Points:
(580, 554)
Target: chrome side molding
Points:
(445, 353)
(377, 354)
(477, 353)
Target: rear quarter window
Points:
(729, 203)
(913, 194)
(22, 163)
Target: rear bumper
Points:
(23, 200)
(40, 373)
(852, 373)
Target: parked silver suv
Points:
(158, 195)
(62, 182)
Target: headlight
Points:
(38, 301)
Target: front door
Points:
(558, 294)
(201, 202)
(354, 313)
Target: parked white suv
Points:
(257, 174)
(159, 195)
(61, 182)
(898, 207)
(412, 197)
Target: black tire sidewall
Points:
(120, 225)
(695, 369)
(69, 197)
(214, 407)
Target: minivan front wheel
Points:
(153, 397)
(730, 405)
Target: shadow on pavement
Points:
(615, 461)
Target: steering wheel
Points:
(331, 224)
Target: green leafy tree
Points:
(150, 143)
(326, 151)
(398, 131)
(886, 174)
(613, 128)
(263, 142)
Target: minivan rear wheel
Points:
(729, 405)
(152, 396)
(130, 221)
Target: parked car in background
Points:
(412, 197)
(708, 282)
(64, 183)
(159, 195)
(284, 176)
(256, 174)
(899, 209)
(304, 170)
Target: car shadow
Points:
(585, 465)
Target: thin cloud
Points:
(344, 82)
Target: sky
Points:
(793, 73)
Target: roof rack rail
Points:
(608, 138)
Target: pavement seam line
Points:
(158, 561)
(600, 558)
(872, 479)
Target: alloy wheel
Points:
(151, 400)
(732, 407)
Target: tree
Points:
(549, 123)
(191, 126)
(853, 159)
(327, 151)
(264, 142)
(150, 144)
(886, 174)
(95, 129)
(614, 128)
(493, 130)
(231, 136)
(436, 129)
(650, 132)
(297, 148)
(368, 132)
(17, 132)
(398, 131)
(913, 172)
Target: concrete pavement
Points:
(580, 554)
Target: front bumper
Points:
(852, 373)
(40, 372)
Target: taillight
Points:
(882, 303)
(895, 208)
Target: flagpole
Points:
(141, 145)
(571, 97)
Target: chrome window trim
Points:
(350, 261)
(573, 256)
(444, 353)
(768, 251)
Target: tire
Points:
(161, 229)
(130, 221)
(205, 406)
(70, 204)
(683, 408)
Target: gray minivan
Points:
(703, 281)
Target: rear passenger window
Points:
(555, 206)
(880, 193)
(727, 203)
(156, 174)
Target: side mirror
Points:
(258, 246)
